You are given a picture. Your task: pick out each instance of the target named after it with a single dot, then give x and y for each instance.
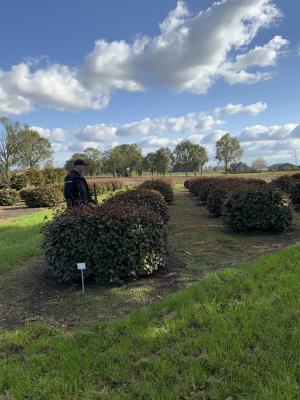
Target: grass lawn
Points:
(235, 335)
(20, 239)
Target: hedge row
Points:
(244, 204)
(106, 186)
(43, 196)
(290, 185)
(8, 197)
(163, 186)
(124, 238)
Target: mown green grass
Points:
(235, 335)
(20, 239)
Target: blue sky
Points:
(157, 74)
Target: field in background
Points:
(180, 177)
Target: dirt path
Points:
(202, 246)
(15, 211)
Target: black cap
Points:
(79, 161)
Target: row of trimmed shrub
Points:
(34, 177)
(124, 238)
(244, 204)
(290, 185)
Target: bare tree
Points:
(8, 144)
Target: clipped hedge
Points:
(117, 242)
(222, 188)
(54, 175)
(44, 196)
(256, 208)
(160, 186)
(8, 197)
(294, 192)
(143, 198)
(105, 186)
(18, 181)
(35, 177)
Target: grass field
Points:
(20, 239)
(235, 335)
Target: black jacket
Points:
(76, 189)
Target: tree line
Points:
(123, 160)
(25, 148)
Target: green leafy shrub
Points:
(188, 183)
(216, 199)
(105, 186)
(35, 177)
(117, 242)
(294, 192)
(256, 208)
(54, 175)
(162, 187)
(18, 181)
(143, 198)
(283, 182)
(8, 197)
(44, 196)
(218, 194)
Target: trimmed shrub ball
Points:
(18, 181)
(145, 198)
(8, 197)
(117, 242)
(256, 208)
(162, 187)
(45, 196)
(223, 188)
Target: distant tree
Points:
(33, 149)
(8, 144)
(228, 150)
(149, 163)
(94, 159)
(163, 160)
(122, 160)
(198, 158)
(190, 157)
(259, 164)
(182, 155)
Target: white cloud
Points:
(189, 123)
(262, 56)
(155, 142)
(251, 109)
(191, 52)
(267, 133)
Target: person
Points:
(76, 190)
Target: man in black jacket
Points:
(76, 189)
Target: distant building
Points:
(240, 168)
(283, 167)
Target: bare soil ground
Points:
(9, 212)
(198, 245)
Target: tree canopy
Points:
(228, 150)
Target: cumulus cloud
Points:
(267, 133)
(189, 123)
(251, 109)
(190, 53)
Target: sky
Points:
(102, 73)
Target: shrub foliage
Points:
(162, 187)
(43, 196)
(18, 181)
(256, 208)
(117, 242)
(8, 197)
(143, 198)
